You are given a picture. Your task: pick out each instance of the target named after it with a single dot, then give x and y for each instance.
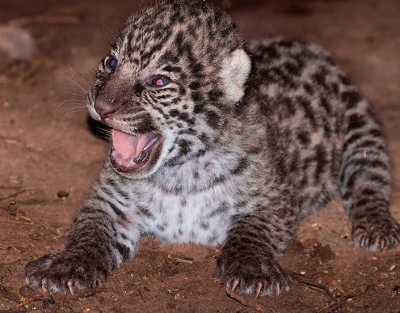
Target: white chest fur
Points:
(193, 202)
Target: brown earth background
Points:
(50, 159)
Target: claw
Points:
(258, 289)
(97, 283)
(278, 289)
(235, 284)
(70, 285)
(44, 287)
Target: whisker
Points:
(70, 93)
(64, 110)
(82, 83)
(73, 80)
(82, 104)
(69, 104)
(85, 79)
(104, 131)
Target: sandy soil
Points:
(49, 160)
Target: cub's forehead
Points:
(175, 15)
(178, 26)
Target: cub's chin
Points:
(135, 156)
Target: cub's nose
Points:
(104, 110)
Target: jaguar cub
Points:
(220, 142)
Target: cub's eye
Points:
(111, 63)
(160, 81)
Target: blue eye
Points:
(111, 63)
(160, 81)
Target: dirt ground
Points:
(50, 159)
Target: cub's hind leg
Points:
(365, 177)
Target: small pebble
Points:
(62, 194)
(12, 208)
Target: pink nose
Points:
(105, 111)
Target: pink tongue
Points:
(127, 146)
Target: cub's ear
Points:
(234, 72)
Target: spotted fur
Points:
(254, 137)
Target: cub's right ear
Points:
(235, 70)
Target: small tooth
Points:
(142, 158)
(150, 143)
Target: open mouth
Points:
(134, 153)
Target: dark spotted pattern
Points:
(237, 174)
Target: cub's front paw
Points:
(252, 273)
(64, 272)
(376, 232)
